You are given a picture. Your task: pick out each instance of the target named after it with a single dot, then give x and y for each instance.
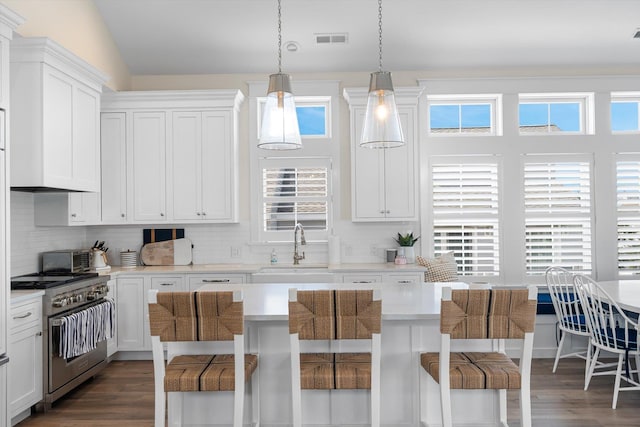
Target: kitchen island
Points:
(410, 325)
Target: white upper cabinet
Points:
(384, 182)
(203, 166)
(55, 113)
(172, 156)
(113, 154)
(149, 144)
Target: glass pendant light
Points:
(279, 129)
(381, 127)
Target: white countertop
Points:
(255, 268)
(269, 301)
(23, 295)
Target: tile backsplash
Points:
(212, 243)
(28, 241)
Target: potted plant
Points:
(406, 242)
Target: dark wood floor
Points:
(122, 396)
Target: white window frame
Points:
(310, 92)
(585, 100)
(493, 100)
(617, 97)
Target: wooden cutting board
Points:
(170, 252)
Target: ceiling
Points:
(240, 36)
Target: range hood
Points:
(55, 118)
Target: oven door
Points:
(61, 370)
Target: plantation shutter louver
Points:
(557, 202)
(465, 215)
(628, 216)
(295, 194)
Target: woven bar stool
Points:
(335, 315)
(201, 316)
(470, 314)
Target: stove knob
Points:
(91, 295)
(60, 302)
(78, 298)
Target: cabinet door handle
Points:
(198, 213)
(405, 281)
(39, 334)
(215, 280)
(381, 212)
(362, 281)
(122, 215)
(73, 215)
(204, 214)
(166, 284)
(24, 316)
(161, 214)
(388, 212)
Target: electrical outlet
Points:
(236, 252)
(373, 250)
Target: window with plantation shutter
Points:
(466, 214)
(295, 191)
(628, 214)
(558, 216)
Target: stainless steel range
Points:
(67, 297)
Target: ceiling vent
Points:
(335, 38)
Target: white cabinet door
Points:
(130, 313)
(218, 160)
(113, 149)
(25, 373)
(149, 151)
(186, 160)
(399, 174)
(86, 137)
(57, 117)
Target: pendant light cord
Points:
(379, 35)
(280, 39)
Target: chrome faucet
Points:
(296, 256)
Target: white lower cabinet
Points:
(133, 311)
(25, 353)
(130, 293)
(361, 278)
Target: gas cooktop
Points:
(47, 280)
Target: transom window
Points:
(555, 113)
(625, 112)
(466, 213)
(313, 116)
(557, 203)
(468, 114)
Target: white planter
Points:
(409, 253)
